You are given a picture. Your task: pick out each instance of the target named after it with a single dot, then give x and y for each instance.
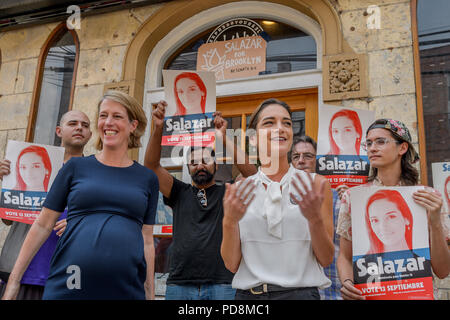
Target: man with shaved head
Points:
(74, 131)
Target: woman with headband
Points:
(392, 155)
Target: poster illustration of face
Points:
(391, 256)
(33, 169)
(191, 99)
(340, 155)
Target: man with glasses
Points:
(196, 268)
(303, 154)
(303, 157)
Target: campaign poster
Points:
(340, 156)
(441, 182)
(191, 99)
(33, 169)
(237, 58)
(391, 254)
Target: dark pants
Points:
(289, 294)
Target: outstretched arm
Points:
(39, 232)
(240, 158)
(345, 270)
(153, 153)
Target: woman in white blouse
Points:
(277, 237)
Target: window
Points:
(288, 49)
(434, 49)
(56, 84)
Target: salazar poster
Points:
(441, 182)
(33, 169)
(340, 156)
(391, 254)
(191, 99)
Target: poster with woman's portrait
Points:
(441, 182)
(391, 254)
(33, 169)
(340, 156)
(191, 102)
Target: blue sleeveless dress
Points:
(101, 253)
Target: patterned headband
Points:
(399, 130)
(396, 127)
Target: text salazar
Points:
(21, 199)
(183, 125)
(345, 165)
(389, 266)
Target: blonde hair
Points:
(134, 111)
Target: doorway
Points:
(238, 109)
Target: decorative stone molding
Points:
(344, 77)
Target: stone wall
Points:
(391, 80)
(104, 39)
(103, 42)
(390, 58)
(20, 51)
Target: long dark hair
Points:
(409, 175)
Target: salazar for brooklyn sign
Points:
(236, 58)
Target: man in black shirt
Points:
(196, 268)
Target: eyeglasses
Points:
(201, 196)
(379, 143)
(306, 156)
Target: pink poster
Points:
(33, 169)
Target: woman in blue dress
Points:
(106, 251)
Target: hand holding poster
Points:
(391, 254)
(441, 182)
(191, 99)
(340, 156)
(33, 169)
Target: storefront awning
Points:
(18, 13)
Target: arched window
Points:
(288, 48)
(54, 85)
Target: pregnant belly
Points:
(101, 242)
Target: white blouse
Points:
(275, 239)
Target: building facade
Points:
(366, 54)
